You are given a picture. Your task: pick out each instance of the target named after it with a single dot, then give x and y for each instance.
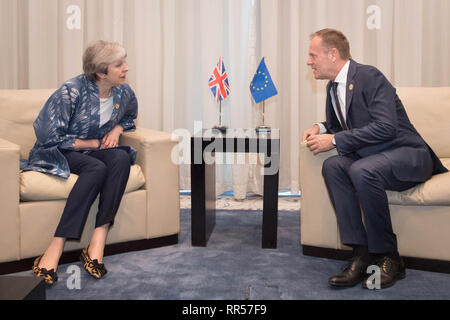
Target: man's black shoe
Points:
(391, 270)
(354, 273)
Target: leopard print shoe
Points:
(93, 267)
(49, 276)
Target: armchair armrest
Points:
(154, 150)
(9, 199)
(318, 219)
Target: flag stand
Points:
(263, 128)
(220, 127)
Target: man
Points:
(379, 149)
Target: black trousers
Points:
(355, 183)
(103, 172)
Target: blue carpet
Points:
(234, 266)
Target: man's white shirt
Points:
(341, 79)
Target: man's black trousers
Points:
(355, 183)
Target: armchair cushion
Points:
(37, 186)
(433, 192)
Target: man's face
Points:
(320, 60)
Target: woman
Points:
(78, 131)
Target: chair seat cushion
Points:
(37, 186)
(433, 192)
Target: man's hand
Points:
(314, 130)
(111, 139)
(320, 143)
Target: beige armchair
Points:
(32, 202)
(420, 216)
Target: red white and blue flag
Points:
(219, 82)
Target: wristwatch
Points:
(333, 142)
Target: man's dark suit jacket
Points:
(378, 124)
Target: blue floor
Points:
(232, 266)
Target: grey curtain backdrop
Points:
(173, 46)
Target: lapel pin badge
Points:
(116, 106)
(350, 87)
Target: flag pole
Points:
(264, 107)
(263, 128)
(220, 127)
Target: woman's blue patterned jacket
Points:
(73, 112)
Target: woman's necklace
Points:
(108, 95)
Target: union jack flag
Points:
(219, 82)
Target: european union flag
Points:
(262, 86)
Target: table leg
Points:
(203, 198)
(270, 206)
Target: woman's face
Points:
(117, 72)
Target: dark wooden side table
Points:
(203, 179)
(22, 288)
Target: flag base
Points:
(263, 129)
(222, 129)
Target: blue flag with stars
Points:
(262, 86)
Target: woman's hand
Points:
(111, 139)
(89, 144)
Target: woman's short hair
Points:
(99, 55)
(332, 38)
